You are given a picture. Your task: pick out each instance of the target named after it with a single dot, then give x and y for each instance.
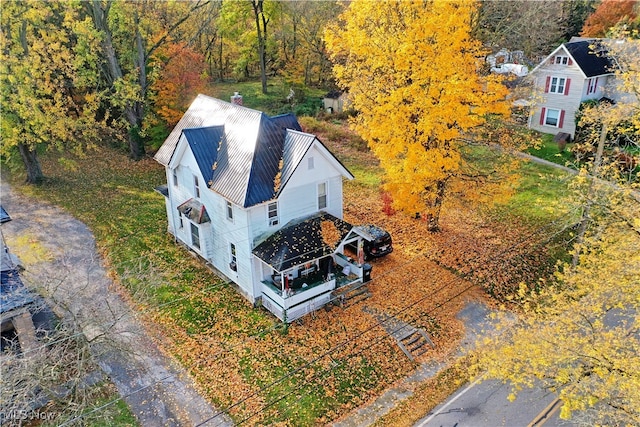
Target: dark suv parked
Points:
(380, 243)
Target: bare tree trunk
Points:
(261, 28)
(31, 164)
(433, 218)
(99, 12)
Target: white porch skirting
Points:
(296, 306)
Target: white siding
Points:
(299, 198)
(568, 103)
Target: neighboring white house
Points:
(574, 72)
(262, 202)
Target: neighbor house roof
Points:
(588, 54)
(302, 240)
(239, 150)
(590, 57)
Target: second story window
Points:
(322, 195)
(196, 187)
(272, 213)
(229, 211)
(557, 85)
(310, 163)
(175, 177)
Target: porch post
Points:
(282, 284)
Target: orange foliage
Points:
(181, 79)
(607, 15)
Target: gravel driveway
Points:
(60, 252)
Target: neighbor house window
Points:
(175, 177)
(322, 195)
(557, 85)
(564, 60)
(552, 117)
(593, 86)
(310, 163)
(272, 213)
(232, 257)
(195, 236)
(196, 187)
(229, 211)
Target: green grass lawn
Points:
(550, 151)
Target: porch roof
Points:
(195, 211)
(303, 240)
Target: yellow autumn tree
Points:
(412, 72)
(580, 338)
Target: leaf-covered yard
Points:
(320, 368)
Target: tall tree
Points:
(607, 15)
(48, 76)
(262, 22)
(180, 80)
(412, 71)
(130, 36)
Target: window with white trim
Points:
(592, 85)
(229, 211)
(556, 85)
(175, 177)
(181, 220)
(196, 187)
(195, 236)
(272, 213)
(322, 195)
(310, 163)
(564, 60)
(552, 117)
(233, 260)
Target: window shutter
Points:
(546, 86)
(542, 115)
(566, 87)
(552, 60)
(561, 120)
(570, 61)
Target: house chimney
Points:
(236, 98)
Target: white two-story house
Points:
(574, 72)
(261, 201)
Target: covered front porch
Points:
(302, 264)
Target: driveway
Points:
(59, 253)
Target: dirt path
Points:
(59, 253)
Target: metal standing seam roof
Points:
(589, 60)
(204, 143)
(238, 150)
(299, 241)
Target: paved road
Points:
(485, 404)
(59, 252)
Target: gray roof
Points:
(301, 241)
(238, 150)
(590, 57)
